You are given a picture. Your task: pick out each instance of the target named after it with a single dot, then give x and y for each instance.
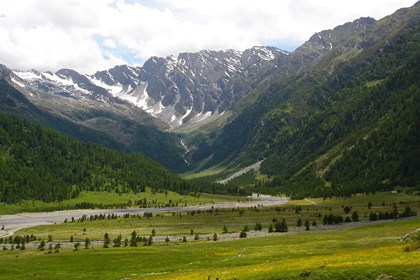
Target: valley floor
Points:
(359, 253)
(13, 223)
(193, 245)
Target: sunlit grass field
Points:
(361, 251)
(111, 199)
(213, 221)
(358, 253)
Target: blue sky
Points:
(92, 35)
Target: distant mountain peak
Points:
(184, 88)
(188, 88)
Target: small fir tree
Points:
(107, 240)
(87, 243)
(307, 225)
(76, 246)
(133, 240)
(355, 216)
(225, 229)
(41, 245)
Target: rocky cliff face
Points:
(173, 91)
(193, 86)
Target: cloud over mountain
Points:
(98, 34)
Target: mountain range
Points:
(312, 115)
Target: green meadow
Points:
(119, 200)
(353, 250)
(358, 253)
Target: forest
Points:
(356, 130)
(39, 163)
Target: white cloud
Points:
(98, 34)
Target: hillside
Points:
(349, 123)
(38, 163)
(115, 126)
(336, 116)
(131, 108)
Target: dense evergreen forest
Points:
(355, 130)
(366, 125)
(39, 163)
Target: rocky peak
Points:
(4, 71)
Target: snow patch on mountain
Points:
(179, 90)
(115, 90)
(17, 82)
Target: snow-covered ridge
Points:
(50, 82)
(188, 88)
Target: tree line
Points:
(39, 163)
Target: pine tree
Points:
(118, 240)
(41, 245)
(307, 225)
(282, 227)
(57, 247)
(133, 240)
(355, 216)
(225, 229)
(107, 240)
(87, 243)
(150, 241)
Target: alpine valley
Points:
(338, 115)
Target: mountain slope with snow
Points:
(176, 90)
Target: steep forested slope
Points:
(39, 163)
(96, 125)
(365, 140)
(353, 128)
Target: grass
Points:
(113, 199)
(362, 253)
(208, 222)
(361, 200)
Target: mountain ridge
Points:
(234, 108)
